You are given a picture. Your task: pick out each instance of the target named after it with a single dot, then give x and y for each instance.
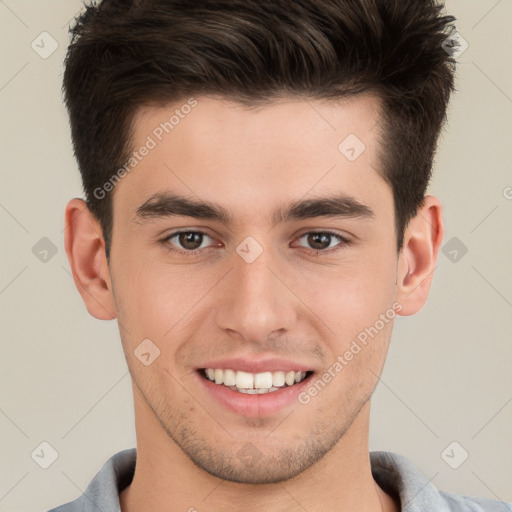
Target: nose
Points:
(257, 300)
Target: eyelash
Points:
(197, 252)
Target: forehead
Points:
(264, 121)
(217, 149)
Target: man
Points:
(255, 218)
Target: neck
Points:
(165, 479)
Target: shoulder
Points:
(398, 476)
(102, 493)
(463, 503)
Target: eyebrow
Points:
(163, 204)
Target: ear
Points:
(417, 259)
(85, 248)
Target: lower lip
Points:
(254, 406)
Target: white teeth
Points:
(278, 379)
(254, 383)
(263, 380)
(256, 391)
(229, 378)
(299, 376)
(244, 380)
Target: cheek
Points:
(154, 300)
(352, 298)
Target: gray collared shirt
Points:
(394, 473)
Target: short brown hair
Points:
(124, 54)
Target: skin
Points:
(288, 303)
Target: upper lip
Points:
(252, 365)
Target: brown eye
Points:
(190, 240)
(322, 240)
(186, 242)
(319, 240)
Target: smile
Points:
(254, 383)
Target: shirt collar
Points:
(394, 473)
(399, 477)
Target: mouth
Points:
(254, 383)
(254, 386)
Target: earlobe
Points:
(418, 257)
(85, 249)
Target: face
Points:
(261, 242)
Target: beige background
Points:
(63, 375)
